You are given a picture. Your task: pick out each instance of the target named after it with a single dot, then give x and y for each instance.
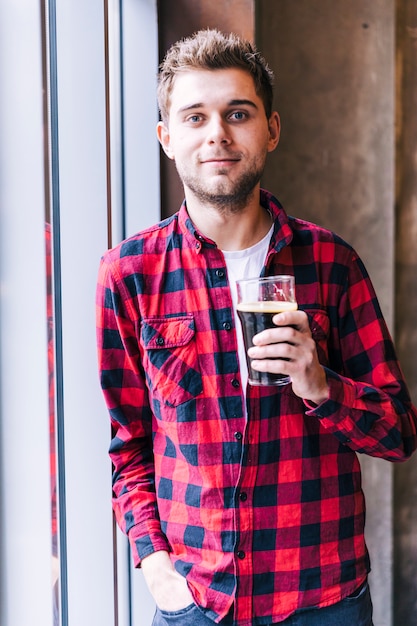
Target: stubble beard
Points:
(226, 196)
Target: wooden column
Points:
(405, 477)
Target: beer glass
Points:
(258, 300)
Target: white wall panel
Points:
(77, 108)
(25, 515)
(83, 235)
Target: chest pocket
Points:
(170, 358)
(320, 327)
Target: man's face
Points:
(218, 135)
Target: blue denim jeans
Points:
(355, 610)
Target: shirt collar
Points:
(282, 234)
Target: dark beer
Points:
(255, 317)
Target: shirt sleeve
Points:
(369, 407)
(123, 383)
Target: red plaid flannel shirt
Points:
(264, 513)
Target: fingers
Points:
(287, 325)
(290, 349)
(285, 349)
(282, 355)
(291, 318)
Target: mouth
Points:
(221, 159)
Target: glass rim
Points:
(265, 279)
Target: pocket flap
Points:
(172, 332)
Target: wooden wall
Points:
(405, 476)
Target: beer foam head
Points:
(267, 306)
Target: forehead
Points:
(206, 88)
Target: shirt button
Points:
(240, 554)
(227, 325)
(160, 341)
(238, 436)
(235, 383)
(243, 496)
(220, 273)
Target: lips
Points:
(220, 158)
(221, 162)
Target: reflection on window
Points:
(50, 182)
(52, 440)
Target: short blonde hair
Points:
(210, 49)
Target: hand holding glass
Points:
(259, 299)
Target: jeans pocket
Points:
(358, 606)
(188, 616)
(358, 593)
(354, 610)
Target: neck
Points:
(231, 228)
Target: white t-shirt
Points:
(245, 264)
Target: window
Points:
(77, 155)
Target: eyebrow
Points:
(243, 103)
(236, 102)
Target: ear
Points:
(162, 133)
(274, 126)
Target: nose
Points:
(218, 132)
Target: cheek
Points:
(257, 140)
(186, 153)
(182, 145)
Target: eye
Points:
(238, 116)
(195, 118)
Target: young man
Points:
(243, 504)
